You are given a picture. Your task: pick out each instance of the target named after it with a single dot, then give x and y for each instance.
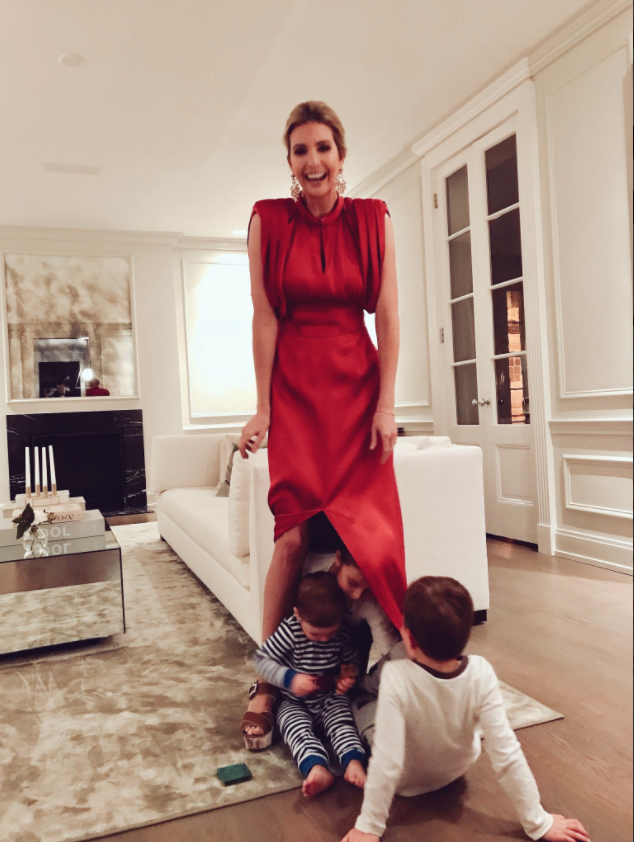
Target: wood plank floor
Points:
(559, 631)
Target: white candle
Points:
(44, 473)
(37, 471)
(53, 477)
(27, 471)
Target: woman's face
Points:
(314, 159)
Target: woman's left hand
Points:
(384, 427)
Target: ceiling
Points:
(181, 104)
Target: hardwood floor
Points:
(559, 631)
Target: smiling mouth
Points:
(316, 178)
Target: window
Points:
(218, 314)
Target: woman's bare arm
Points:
(264, 343)
(388, 336)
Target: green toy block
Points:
(236, 774)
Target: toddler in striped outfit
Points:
(312, 659)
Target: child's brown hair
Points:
(439, 613)
(320, 601)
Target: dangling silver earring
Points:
(340, 183)
(296, 190)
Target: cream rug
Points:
(129, 732)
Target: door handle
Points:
(481, 402)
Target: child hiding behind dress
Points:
(312, 659)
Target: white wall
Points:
(413, 382)
(585, 139)
(582, 81)
(159, 381)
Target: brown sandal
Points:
(264, 721)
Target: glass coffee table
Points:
(73, 593)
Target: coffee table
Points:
(74, 593)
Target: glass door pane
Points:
(458, 201)
(461, 297)
(463, 324)
(466, 379)
(460, 268)
(507, 299)
(511, 379)
(501, 167)
(506, 247)
(508, 319)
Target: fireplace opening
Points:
(89, 465)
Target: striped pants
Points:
(298, 720)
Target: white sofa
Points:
(228, 541)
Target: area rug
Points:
(129, 732)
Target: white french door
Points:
(480, 299)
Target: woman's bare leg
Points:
(283, 577)
(279, 594)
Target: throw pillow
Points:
(223, 491)
(225, 485)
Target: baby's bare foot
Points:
(319, 780)
(355, 774)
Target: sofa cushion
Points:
(403, 445)
(204, 517)
(239, 501)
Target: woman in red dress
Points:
(325, 396)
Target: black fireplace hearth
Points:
(98, 455)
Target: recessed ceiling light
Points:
(239, 232)
(71, 60)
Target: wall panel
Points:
(590, 219)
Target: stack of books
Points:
(86, 534)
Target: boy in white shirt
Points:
(430, 710)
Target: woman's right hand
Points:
(253, 433)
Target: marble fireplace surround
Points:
(113, 482)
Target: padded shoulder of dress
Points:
(367, 204)
(274, 208)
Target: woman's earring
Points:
(340, 183)
(296, 190)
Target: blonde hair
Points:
(315, 111)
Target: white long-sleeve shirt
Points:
(427, 736)
(384, 635)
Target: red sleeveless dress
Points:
(319, 276)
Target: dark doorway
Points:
(56, 373)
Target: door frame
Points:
(519, 102)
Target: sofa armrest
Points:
(185, 461)
(442, 500)
(261, 531)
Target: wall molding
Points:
(163, 238)
(564, 392)
(411, 405)
(596, 550)
(213, 243)
(527, 67)
(575, 32)
(93, 235)
(493, 92)
(592, 426)
(583, 459)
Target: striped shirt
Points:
(288, 652)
